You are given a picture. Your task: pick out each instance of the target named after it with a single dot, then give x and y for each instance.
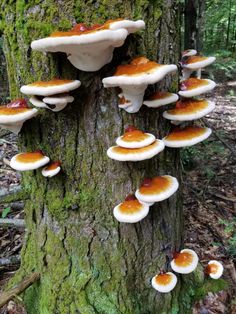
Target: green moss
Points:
(210, 285)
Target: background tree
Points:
(89, 263)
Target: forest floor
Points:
(209, 202)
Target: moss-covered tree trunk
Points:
(90, 263)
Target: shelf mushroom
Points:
(184, 262)
(194, 63)
(52, 169)
(131, 210)
(89, 48)
(157, 189)
(189, 109)
(159, 99)
(164, 282)
(214, 269)
(135, 145)
(51, 94)
(29, 161)
(14, 114)
(133, 79)
(187, 136)
(193, 87)
(188, 53)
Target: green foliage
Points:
(6, 211)
(230, 230)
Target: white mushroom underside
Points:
(136, 144)
(17, 165)
(198, 90)
(189, 142)
(165, 288)
(200, 64)
(130, 218)
(158, 197)
(137, 156)
(189, 117)
(161, 102)
(186, 269)
(50, 173)
(19, 117)
(130, 26)
(14, 128)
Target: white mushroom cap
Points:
(197, 62)
(160, 99)
(28, 161)
(134, 138)
(164, 282)
(193, 87)
(130, 26)
(187, 136)
(189, 109)
(135, 154)
(52, 169)
(214, 269)
(59, 101)
(189, 52)
(49, 88)
(35, 101)
(185, 262)
(157, 189)
(131, 210)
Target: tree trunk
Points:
(190, 24)
(200, 24)
(90, 263)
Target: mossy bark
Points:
(89, 263)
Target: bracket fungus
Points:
(51, 94)
(194, 63)
(214, 269)
(189, 109)
(186, 136)
(89, 48)
(29, 161)
(135, 145)
(159, 99)
(184, 262)
(14, 114)
(188, 53)
(52, 169)
(157, 189)
(193, 87)
(133, 79)
(131, 210)
(164, 282)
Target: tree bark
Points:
(88, 262)
(190, 24)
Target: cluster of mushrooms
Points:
(89, 48)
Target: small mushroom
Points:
(52, 169)
(157, 189)
(14, 114)
(164, 282)
(189, 109)
(133, 79)
(186, 136)
(194, 63)
(131, 210)
(159, 99)
(188, 53)
(134, 138)
(29, 161)
(89, 48)
(184, 262)
(194, 87)
(214, 269)
(51, 94)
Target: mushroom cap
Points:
(197, 62)
(214, 269)
(15, 115)
(37, 102)
(189, 109)
(187, 136)
(184, 262)
(130, 26)
(59, 99)
(194, 87)
(159, 99)
(157, 189)
(130, 211)
(164, 282)
(29, 161)
(52, 169)
(48, 88)
(134, 138)
(189, 52)
(140, 71)
(135, 154)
